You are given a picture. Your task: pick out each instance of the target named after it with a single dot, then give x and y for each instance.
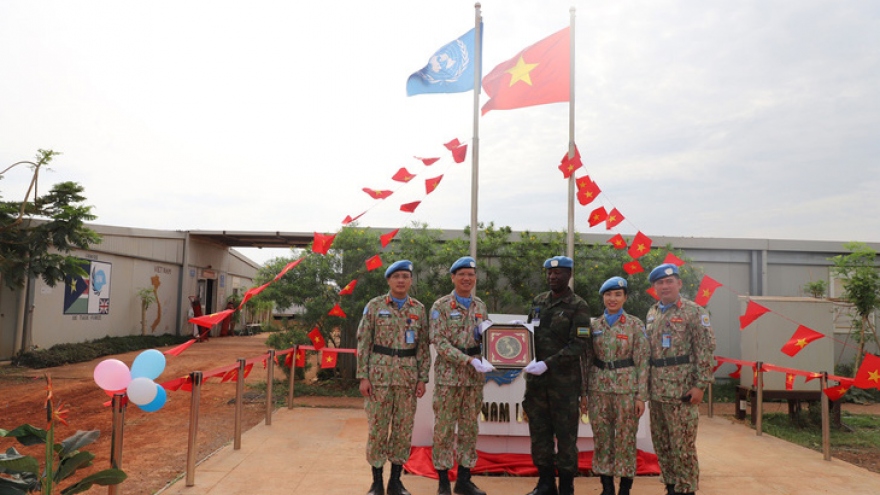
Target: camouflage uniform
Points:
(683, 331)
(551, 399)
(613, 392)
(458, 387)
(392, 408)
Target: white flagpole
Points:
(571, 180)
(475, 144)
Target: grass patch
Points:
(723, 391)
(861, 432)
(61, 354)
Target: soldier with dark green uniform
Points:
(394, 362)
(682, 348)
(618, 387)
(561, 323)
(458, 378)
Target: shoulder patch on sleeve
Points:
(366, 309)
(704, 319)
(583, 332)
(435, 314)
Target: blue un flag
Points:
(450, 70)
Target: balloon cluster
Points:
(114, 377)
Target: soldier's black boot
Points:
(625, 485)
(395, 486)
(607, 484)
(670, 489)
(546, 482)
(463, 483)
(566, 483)
(378, 487)
(443, 487)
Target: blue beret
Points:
(613, 283)
(663, 271)
(559, 262)
(398, 266)
(463, 262)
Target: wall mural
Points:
(88, 295)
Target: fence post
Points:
(239, 404)
(118, 404)
(759, 415)
(292, 379)
(191, 451)
(270, 380)
(826, 419)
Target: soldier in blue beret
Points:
(463, 262)
(663, 271)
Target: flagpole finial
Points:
(571, 10)
(477, 5)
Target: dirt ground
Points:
(155, 444)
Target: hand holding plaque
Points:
(508, 346)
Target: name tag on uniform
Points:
(455, 315)
(597, 332)
(677, 319)
(622, 336)
(666, 341)
(410, 336)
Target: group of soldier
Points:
(609, 367)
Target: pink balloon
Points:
(112, 374)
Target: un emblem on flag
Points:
(447, 65)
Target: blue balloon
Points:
(158, 402)
(149, 364)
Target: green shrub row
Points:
(60, 354)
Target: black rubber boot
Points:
(395, 486)
(625, 485)
(607, 484)
(670, 489)
(546, 482)
(566, 483)
(378, 487)
(443, 487)
(463, 483)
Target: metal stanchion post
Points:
(239, 404)
(826, 418)
(116, 438)
(270, 380)
(759, 415)
(292, 379)
(196, 377)
(711, 402)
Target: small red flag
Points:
(614, 218)
(288, 360)
(459, 154)
(588, 193)
(633, 267)
(336, 310)
(410, 207)
(253, 291)
(753, 312)
(328, 358)
(568, 166)
(801, 337)
(386, 238)
(707, 288)
(617, 241)
(349, 288)
(837, 392)
(373, 263)
(175, 351)
(348, 219)
(431, 184)
(640, 245)
(451, 145)
(789, 381)
(427, 161)
(598, 216)
(675, 260)
(653, 293)
(868, 375)
(322, 243)
(287, 268)
(403, 175)
(300, 358)
(211, 319)
(316, 338)
(377, 194)
(737, 372)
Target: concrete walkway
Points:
(321, 451)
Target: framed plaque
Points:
(508, 346)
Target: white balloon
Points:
(142, 391)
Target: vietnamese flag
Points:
(737, 372)
(176, 351)
(348, 219)
(588, 193)
(431, 184)
(789, 381)
(427, 161)
(451, 145)
(300, 358)
(653, 293)
(328, 358)
(316, 338)
(349, 288)
(288, 360)
(322, 243)
(211, 319)
(868, 375)
(633, 267)
(640, 245)
(373, 263)
(801, 337)
(568, 165)
(614, 218)
(837, 392)
(675, 260)
(538, 75)
(336, 310)
(378, 194)
(707, 288)
(598, 216)
(287, 268)
(386, 238)
(253, 291)
(459, 154)
(403, 175)
(617, 241)
(753, 312)
(410, 207)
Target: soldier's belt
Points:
(672, 361)
(390, 351)
(613, 365)
(471, 351)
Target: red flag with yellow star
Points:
(801, 337)
(588, 193)
(451, 145)
(640, 246)
(328, 358)
(868, 375)
(336, 310)
(633, 267)
(386, 238)
(410, 207)
(675, 260)
(403, 175)
(753, 312)
(789, 381)
(614, 218)
(349, 288)
(538, 75)
(300, 358)
(316, 338)
(459, 154)
(653, 293)
(377, 194)
(569, 165)
(322, 243)
(617, 241)
(707, 288)
(598, 216)
(348, 218)
(427, 161)
(431, 184)
(373, 263)
(836, 392)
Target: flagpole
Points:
(475, 144)
(571, 179)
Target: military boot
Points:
(378, 487)
(395, 486)
(566, 483)
(670, 489)
(463, 483)
(546, 482)
(625, 485)
(443, 482)
(607, 484)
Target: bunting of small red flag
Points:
(287, 268)
(349, 288)
(614, 218)
(633, 267)
(617, 241)
(837, 392)
(348, 219)
(451, 145)
(410, 207)
(598, 216)
(377, 194)
(640, 245)
(568, 165)
(737, 372)
(322, 243)
(753, 312)
(211, 319)
(176, 351)
(403, 175)
(253, 291)
(868, 375)
(706, 290)
(386, 238)
(459, 154)
(653, 293)
(431, 184)
(336, 310)
(427, 161)
(672, 258)
(789, 381)
(288, 360)
(328, 358)
(801, 337)
(588, 193)
(300, 358)
(316, 338)
(373, 262)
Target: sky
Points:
(747, 119)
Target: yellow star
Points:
(72, 285)
(640, 248)
(570, 168)
(583, 184)
(329, 359)
(790, 378)
(801, 343)
(706, 293)
(612, 218)
(318, 339)
(588, 194)
(520, 72)
(874, 376)
(596, 217)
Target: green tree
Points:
(38, 233)
(861, 288)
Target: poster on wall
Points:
(89, 294)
